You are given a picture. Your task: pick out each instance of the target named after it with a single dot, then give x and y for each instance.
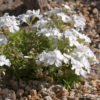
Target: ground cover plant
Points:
(49, 45)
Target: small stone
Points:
(65, 92)
(47, 98)
(25, 98)
(63, 98)
(34, 98)
(33, 92)
(44, 92)
(85, 90)
(95, 11)
(29, 97)
(8, 94)
(55, 98)
(99, 46)
(71, 98)
(21, 98)
(27, 88)
(72, 93)
(22, 84)
(93, 83)
(20, 92)
(93, 4)
(14, 84)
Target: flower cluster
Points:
(60, 28)
(10, 22)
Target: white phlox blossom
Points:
(3, 39)
(24, 18)
(52, 32)
(65, 18)
(35, 13)
(49, 58)
(80, 35)
(80, 57)
(4, 61)
(66, 58)
(66, 7)
(79, 22)
(75, 33)
(73, 41)
(42, 23)
(88, 53)
(29, 13)
(78, 67)
(73, 36)
(10, 22)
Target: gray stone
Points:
(20, 92)
(36, 4)
(47, 98)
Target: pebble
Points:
(99, 46)
(71, 98)
(14, 84)
(93, 83)
(27, 88)
(65, 92)
(33, 92)
(20, 92)
(95, 11)
(47, 98)
(22, 84)
(63, 98)
(8, 94)
(72, 94)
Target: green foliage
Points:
(23, 44)
(59, 23)
(62, 75)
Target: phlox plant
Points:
(51, 45)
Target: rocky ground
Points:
(38, 90)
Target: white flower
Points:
(73, 36)
(36, 13)
(78, 67)
(10, 22)
(3, 39)
(56, 33)
(50, 58)
(29, 13)
(85, 63)
(66, 58)
(79, 22)
(73, 41)
(88, 53)
(23, 17)
(64, 17)
(42, 23)
(66, 6)
(82, 57)
(53, 32)
(45, 31)
(4, 61)
(80, 35)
